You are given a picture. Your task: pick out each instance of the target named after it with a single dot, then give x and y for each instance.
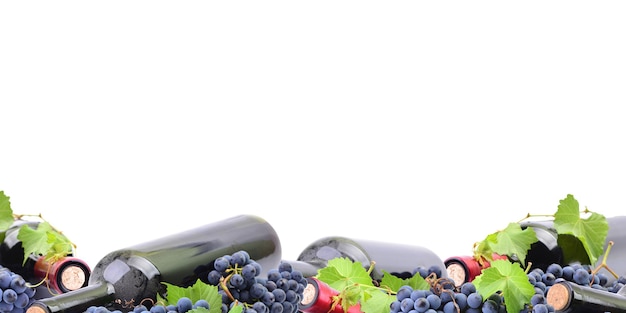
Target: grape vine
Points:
(44, 240)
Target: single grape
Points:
(449, 308)
(537, 299)
(421, 305)
(268, 299)
(568, 273)
(184, 304)
(556, 269)
(407, 305)
(490, 306)
(581, 277)
(9, 296)
(474, 300)
(461, 300)
(277, 307)
(417, 293)
(540, 308)
(260, 307)
(237, 281)
(239, 258)
(158, 309)
(548, 279)
(18, 283)
(5, 278)
(279, 295)
(467, 288)
(248, 271)
(404, 292)
(434, 301)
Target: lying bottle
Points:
(128, 277)
(397, 259)
(547, 251)
(63, 275)
(568, 297)
(318, 298)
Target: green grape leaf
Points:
(340, 273)
(514, 240)
(350, 278)
(393, 283)
(377, 301)
(44, 241)
(199, 290)
(509, 279)
(574, 231)
(484, 249)
(351, 295)
(6, 213)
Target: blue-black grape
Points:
(490, 306)
(474, 300)
(421, 305)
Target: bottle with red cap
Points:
(60, 276)
(545, 251)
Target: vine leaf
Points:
(44, 241)
(377, 302)
(340, 273)
(508, 278)
(575, 231)
(6, 213)
(355, 286)
(514, 240)
(394, 283)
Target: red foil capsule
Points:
(318, 298)
(465, 268)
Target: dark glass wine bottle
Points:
(63, 275)
(397, 259)
(568, 297)
(128, 277)
(548, 250)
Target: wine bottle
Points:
(62, 275)
(318, 298)
(397, 259)
(568, 297)
(547, 250)
(128, 277)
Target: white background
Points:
(431, 123)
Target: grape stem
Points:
(603, 263)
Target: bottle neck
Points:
(75, 301)
(573, 298)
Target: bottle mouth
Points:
(72, 277)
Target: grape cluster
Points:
(15, 294)
(238, 280)
(447, 299)
(444, 297)
(573, 273)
